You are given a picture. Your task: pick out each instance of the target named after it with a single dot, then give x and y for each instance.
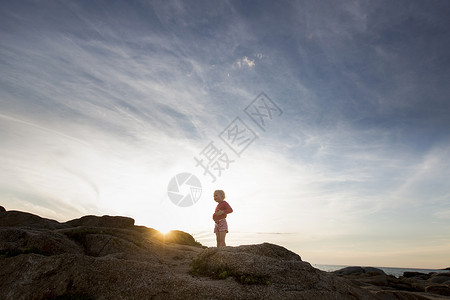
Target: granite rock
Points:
(108, 257)
(412, 285)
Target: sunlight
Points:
(164, 230)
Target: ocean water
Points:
(390, 271)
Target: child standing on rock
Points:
(219, 217)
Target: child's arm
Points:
(227, 209)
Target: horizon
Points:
(325, 123)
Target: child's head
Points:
(219, 195)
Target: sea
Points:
(397, 272)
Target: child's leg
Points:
(218, 239)
(221, 237)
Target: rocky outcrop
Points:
(104, 221)
(13, 218)
(277, 272)
(412, 285)
(111, 258)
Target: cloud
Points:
(102, 109)
(426, 180)
(108, 120)
(245, 62)
(110, 85)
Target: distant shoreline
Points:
(397, 272)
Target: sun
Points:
(164, 229)
(166, 232)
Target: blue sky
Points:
(102, 103)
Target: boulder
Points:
(103, 245)
(15, 241)
(376, 280)
(280, 273)
(412, 285)
(2, 209)
(349, 271)
(259, 260)
(373, 271)
(416, 283)
(179, 237)
(358, 271)
(438, 289)
(14, 218)
(417, 275)
(104, 221)
(270, 251)
(439, 279)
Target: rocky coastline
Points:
(411, 285)
(109, 257)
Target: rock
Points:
(416, 283)
(412, 285)
(281, 273)
(349, 270)
(416, 274)
(271, 251)
(447, 274)
(104, 221)
(15, 241)
(111, 258)
(359, 270)
(68, 276)
(251, 259)
(373, 271)
(399, 295)
(438, 289)
(180, 237)
(439, 279)
(377, 280)
(13, 218)
(2, 209)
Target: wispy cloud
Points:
(101, 104)
(245, 62)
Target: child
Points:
(219, 216)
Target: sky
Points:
(326, 123)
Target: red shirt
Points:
(226, 209)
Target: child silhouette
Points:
(219, 217)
